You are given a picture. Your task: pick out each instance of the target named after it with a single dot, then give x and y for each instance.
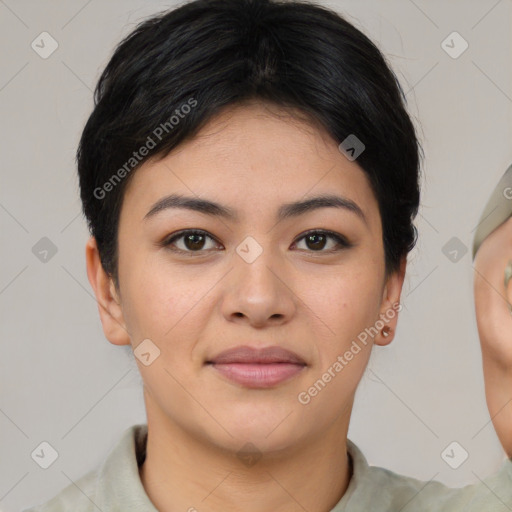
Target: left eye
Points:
(194, 241)
(317, 239)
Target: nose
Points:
(259, 291)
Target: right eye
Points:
(193, 241)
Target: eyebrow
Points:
(285, 211)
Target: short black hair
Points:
(179, 68)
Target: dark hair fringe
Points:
(294, 54)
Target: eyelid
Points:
(167, 241)
(340, 239)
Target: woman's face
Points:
(253, 279)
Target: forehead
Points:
(253, 155)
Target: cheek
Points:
(347, 301)
(164, 303)
(348, 305)
(152, 299)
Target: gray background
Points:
(62, 382)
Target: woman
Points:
(250, 176)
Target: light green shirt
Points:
(116, 487)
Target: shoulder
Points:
(78, 496)
(380, 489)
(113, 485)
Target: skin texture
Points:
(314, 301)
(494, 323)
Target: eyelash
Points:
(341, 241)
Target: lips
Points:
(249, 355)
(257, 368)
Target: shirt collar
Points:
(119, 484)
(120, 487)
(360, 469)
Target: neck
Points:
(184, 472)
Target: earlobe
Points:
(109, 304)
(390, 306)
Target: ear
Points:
(109, 304)
(390, 305)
